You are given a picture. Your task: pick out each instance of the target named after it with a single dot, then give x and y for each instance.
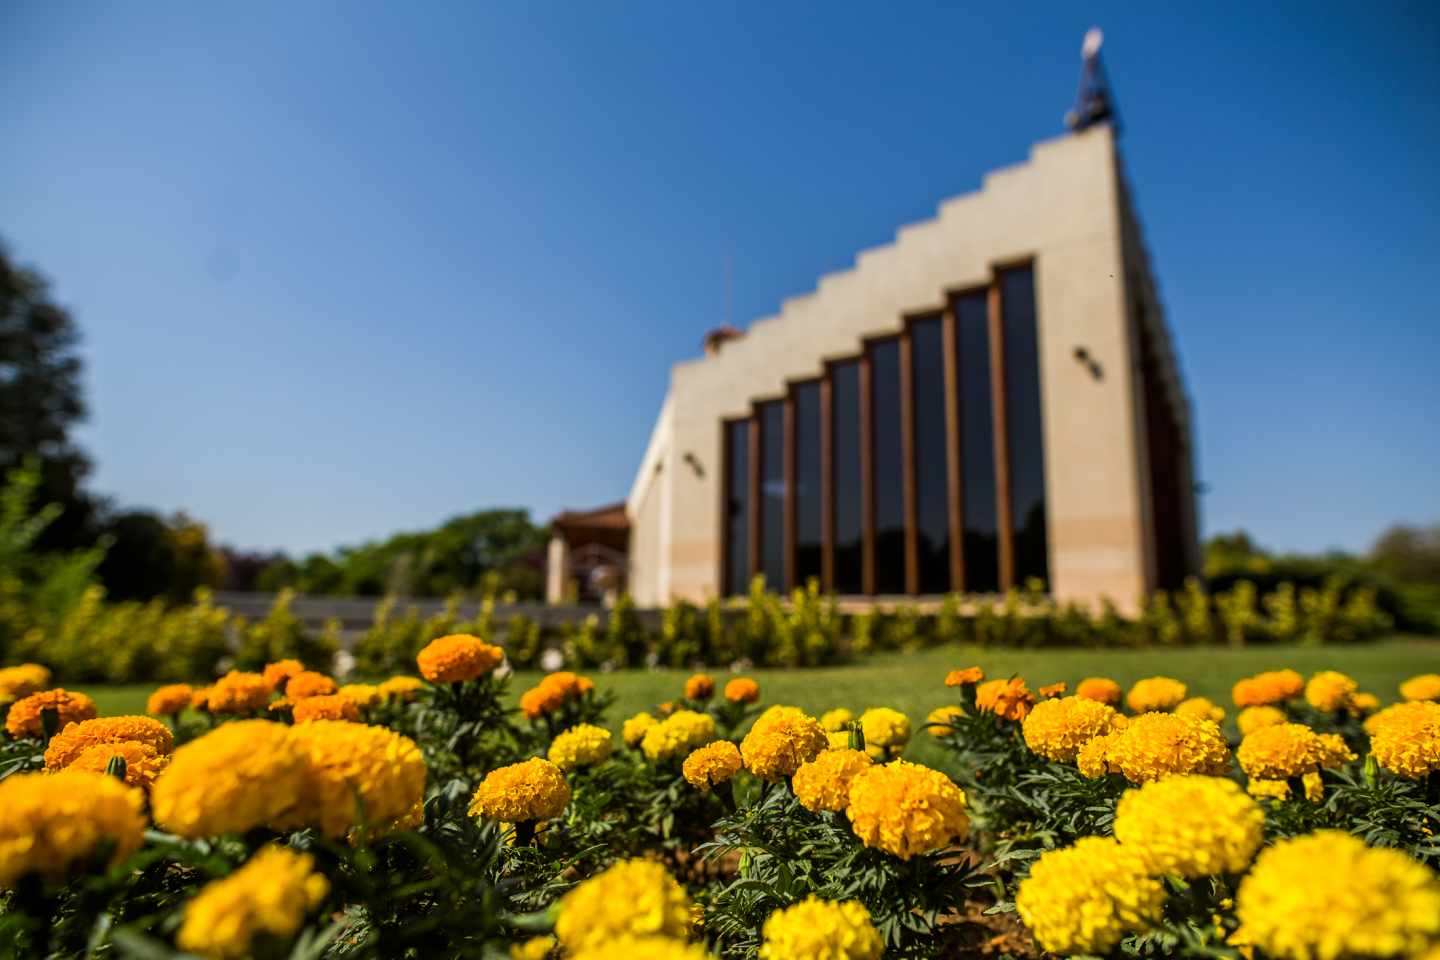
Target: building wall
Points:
(1061, 209)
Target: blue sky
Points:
(349, 268)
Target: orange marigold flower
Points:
(330, 707)
(76, 738)
(309, 683)
(699, 687)
(1007, 699)
(169, 700)
(240, 693)
(742, 690)
(25, 716)
(1269, 687)
(457, 658)
(277, 674)
(967, 677)
(143, 763)
(540, 700)
(1053, 689)
(1329, 691)
(200, 698)
(1100, 688)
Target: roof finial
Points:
(1093, 101)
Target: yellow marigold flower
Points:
(1053, 689)
(1269, 687)
(169, 700)
(1190, 826)
(711, 765)
(52, 822)
(824, 783)
(1363, 703)
(582, 745)
(1329, 691)
(236, 777)
(1425, 686)
(536, 948)
(1088, 897)
(1057, 729)
(356, 771)
(944, 717)
(816, 929)
(885, 728)
(1395, 713)
(533, 789)
(1409, 745)
(969, 676)
(631, 898)
(640, 948)
(1288, 750)
(1100, 688)
(21, 681)
(75, 739)
(835, 720)
(1280, 789)
(309, 683)
(781, 740)
(700, 687)
(1007, 699)
(331, 707)
(457, 658)
(1155, 694)
(1326, 895)
(1201, 708)
(363, 695)
(278, 674)
(25, 716)
(906, 809)
(742, 690)
(1253, 718)
(269, 896)
(239, 692)
(1155, 745)
(632, 731)
(143, 763)
(401, 688)
(678, 734)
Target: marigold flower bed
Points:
(283, 813)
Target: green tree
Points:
(41, 400)
(1409, 554)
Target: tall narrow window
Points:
(772, 493)
(1027, 437)
(737, 506)
(889, 462)
(845, 444)
(931, 472)
(807, 481)
(977, 445)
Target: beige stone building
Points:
(991, 398)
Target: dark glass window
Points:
(977, 445)
(931, 470)
(845, 448)
(737, 506)
(889, 468)
(772, 493)
(1022, 409)
(806, 397)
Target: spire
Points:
(1093, 101)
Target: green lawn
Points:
(914, 683)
